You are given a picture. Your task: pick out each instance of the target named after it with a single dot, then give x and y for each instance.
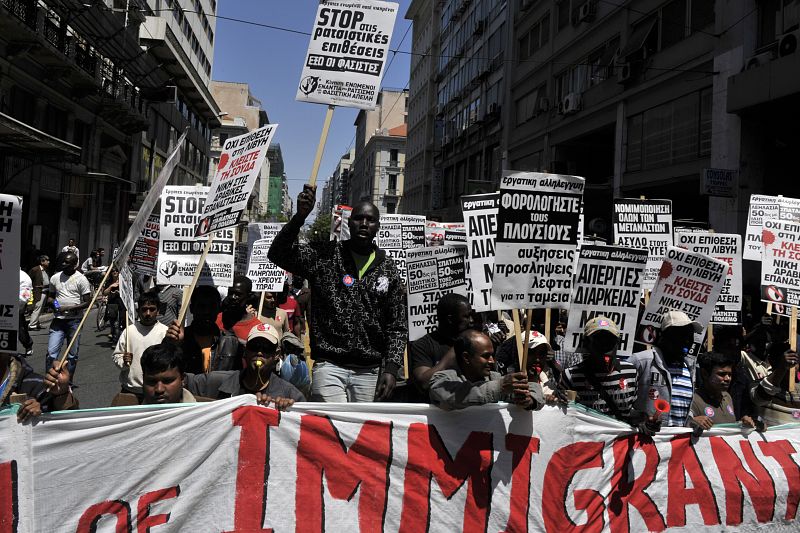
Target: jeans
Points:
(331, 383)
(63, 329)
(37, 310)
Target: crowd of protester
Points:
(348, 302)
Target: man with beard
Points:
(137, 337)
(234, 316)
(206, 347)
(261, 354)
(357, 311)
(73, 292)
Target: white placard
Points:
(144, 255)
(265, 275)
(10, 252)
(399, 233)
(644, 224)
(763, 208)
(480, 221)
(432, 273)
(780, 267)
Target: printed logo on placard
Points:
(309, 84)
(709, 412)
(649, 334)
(205, 225)
(774, 294)
(223, 160)
(348, 280)
(168, 268)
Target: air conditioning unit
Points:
(571, 104)
(624, 71)
(587, 11)
(787, 44)
(543, 104)
(758, 60)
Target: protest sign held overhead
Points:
(763, 208)
(261, 271)
(339, 226)
(644, 224)
(179, 250)
(725, 247)
(780, 267)
(537, 238)
(445, 234)
(399, 233)
(687, 281)
(239, 165)
(347, 53)
(480, 221)
(432, 273)
(608, 282)
(10, 254)
(144, 255)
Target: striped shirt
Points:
(620, 384)
(682, 394)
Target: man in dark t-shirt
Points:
(434, 351)
(712, 404)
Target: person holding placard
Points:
(357, 316)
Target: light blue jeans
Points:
(331, 383)
(63, 330)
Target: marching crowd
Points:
(354, 300)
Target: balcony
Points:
(394, 193)
(393, 166)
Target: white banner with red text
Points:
(233, 466)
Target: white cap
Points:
(679, 319)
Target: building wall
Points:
(386, 163)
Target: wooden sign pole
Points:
(187, 294)
(793, 346)
(323, 138)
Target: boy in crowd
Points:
(163, 375)
(711, 403)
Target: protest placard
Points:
(399, 233)
(480, 221)
(725, 247)
(537, 239)
(239, 165)
(144, 255)
(10, 253)
(240, 259)
(608, 282)
(232, 466)
(763, 208)
(780, 267)
(644, 224)
(432, 273)
(179, 250)
(126, 292)
(347, 53)
(339, 217)
(445, 234)
(687, 281)
(265, 275)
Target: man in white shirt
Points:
(71, 247)
(136, 338)
(72, 292)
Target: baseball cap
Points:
(264, 331)
(678, 319)
(600, 323)
(537, 339)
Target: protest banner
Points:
(537, 239)
(180, 251)
(780, 267)
(238, 169)
(233, 466)
(763, 208)
(687, 281)
(725, 247)
(480, 221)
(265, 275)
(644, 224)
(399, 233)
(144, 255)
(432, 273)
(10, 253)
(347, 53)
(445, 234)
(608, 282)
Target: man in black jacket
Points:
(357, 313)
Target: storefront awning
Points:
(20, 138)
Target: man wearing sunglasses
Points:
(261, 353)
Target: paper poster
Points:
(687, 281)
(763, 208)
(179, 250)
(339, 217)
(445, 234)
(239, 165)
(780, 267)
(265, 275)
(644, 224)
(537, 240)
(10, 252)
(144, 255)
(432, 273)
(608, 282)
(240, 259)
(347, 53)
(480, 221)
(725, 247)
(399, 233)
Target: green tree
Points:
(320, 230)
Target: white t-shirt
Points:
(25, 288)
(140, 338)
(73, 249)
(70, 289)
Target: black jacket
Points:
(354, 323)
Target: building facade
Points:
(279, 205)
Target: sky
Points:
(271, 61)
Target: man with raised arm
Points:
(357, 314)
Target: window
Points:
(673, 23)
(671, 133)
(392, 182)
(390, 208)
(535, 38)
(563, 14)
(526, 107)
(393, 157)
